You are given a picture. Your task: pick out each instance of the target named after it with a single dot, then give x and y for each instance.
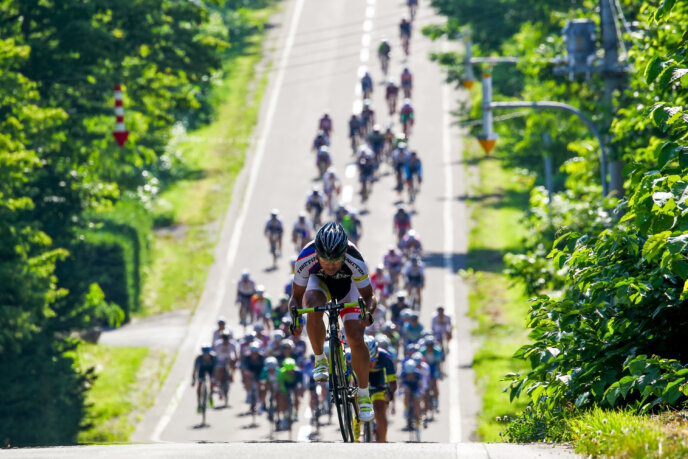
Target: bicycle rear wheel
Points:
(368, 432)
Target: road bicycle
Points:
(412, 418)
(253, 401)
(343, 384)
(245, 310)
(384, 62)
(225, 379)
(205, 394)
(412, 188)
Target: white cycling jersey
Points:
(441, 325)
(411, 271)
(330, 181)
(246, 287)
(225, 352)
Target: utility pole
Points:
(612, 73)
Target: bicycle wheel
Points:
(204, 400)
(368, 432)
(338, 390)
(352, 405)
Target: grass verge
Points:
(498, 200)
(212, 158)
(126, 380)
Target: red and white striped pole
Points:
(121, 132)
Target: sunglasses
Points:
(330, 260)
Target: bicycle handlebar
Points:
(334, 307)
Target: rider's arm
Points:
(368, 298)
(296, 300)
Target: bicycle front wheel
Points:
(338, 389)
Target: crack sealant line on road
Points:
(455, 433)
(238, 227)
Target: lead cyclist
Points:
(332, 267)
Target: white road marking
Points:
(357, 106)
(236, 234)
(362, 69)
(365, 39)
(347, 194)
(365, 54)
(370, 11)
(304, 433)
(455, 434)
(367, 25)
(350, 170)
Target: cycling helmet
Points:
(249, 337)
(254, 346)
(221, 320)
(380, 267)
(367, 103)
(388, 326)
(377, 128)
(331, 241)
(271, 363)
(405, 313)
(372, 347)
(245, 274)
(411, 234)
(225, 336)
(286, 321)
(278, 335)
(206, 348)
(260, 289)
(274, 212)
(316, 189)
(287, 344)
(284, 299)
(413, 315)
(258, 327)
(401, 295)
(440, 308)
(382, 341)
(417, 357)
(302, 215)
(414, 259)
(402, 145)
(289, 364)
(429, 341)
(410, 366)
(391, 82)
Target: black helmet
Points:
(331, 240)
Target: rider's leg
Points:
(198, 392)
(360, 357)
(314, 321)
(380, 407)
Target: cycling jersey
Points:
(224, 352)
(302, 228)
(246, 287)
(266, 376)
(413, 380)
(395, 311)
(393, 260)
(413, 167)
(205, 366)
(330, 180)
(412, 273)
(405, 28)
(274, 226)
(354, 126)
(384, 49)
(382, 373)
(441, 325)
(410, 333)
(380, 282)
(261, 306)
(325, 124)
(406, 79)
(350, 225)
(412, 245)
(354, 272)
(315, 201)
(402, 220)
(253, 365)
(289, 380)
(377, 141)
(392, 91)
(366, 83)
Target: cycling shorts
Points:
(205, 371)
(406, 117)
(434, 370)
(413, 386)
(415, 281)
(377, 393)
(289, 386)
(347, 313)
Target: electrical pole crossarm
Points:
(570, 109)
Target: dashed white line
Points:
(350, 170)
(365, 54)
(347, 194)
(370, 11)
(365, 40)
(367, 25)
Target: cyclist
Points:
(414, 272)
(367, 117)
(376, 140)
(393, 262)
(354, 131)
(433, 357)
(366, 170)
(413, 7)
(204, 366)
(383, 384)
(412, 331)
(383, 51)
(366, 85)
(276, 338)
(261, 305)
(315, 203)
(260, 335)
(412, 383)
(332, 267)
(274, 229)
(268, 382)
(406, 116)
(402, 222)
(407, 82)
(331, 187)
(282, 310)
(413, 168)
(380, 282)
(405, 34)
(325, 124)
(389, 142)
(350, 222)
(398, 306)
(424, 369)
(399, 157)
(301, 233)
(251, 368)
(286, 350)
(221, 328)
(391, 94)
(410, 244)
(323, 160)
(321, 140)
(442, 328)
(389, 330)
(246, 288)
(290, 381)
(226, 354)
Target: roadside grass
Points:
(497, 201)
(126, 380)
(601, 433)
(214, 155)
